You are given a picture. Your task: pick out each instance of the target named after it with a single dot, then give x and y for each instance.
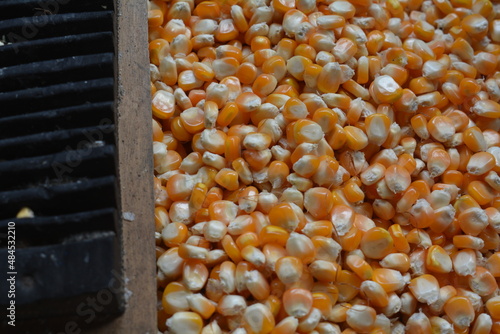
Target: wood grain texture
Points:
(135, 170)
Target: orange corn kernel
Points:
(359, 266)
(376, 243)
(391, 280)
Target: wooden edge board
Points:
(135, 171)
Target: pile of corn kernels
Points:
(326, 166)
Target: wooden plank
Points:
(135, 170)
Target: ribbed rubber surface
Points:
(57, 151)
